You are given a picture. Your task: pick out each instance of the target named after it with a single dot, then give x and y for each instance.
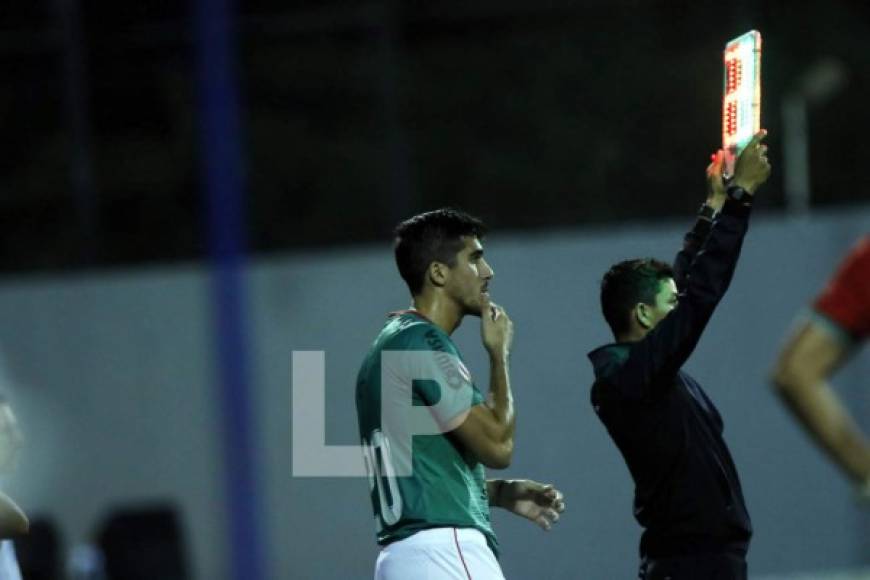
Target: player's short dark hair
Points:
(626, 284)
(434, 236)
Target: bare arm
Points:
(801, 378)
(13, 522)
(488, 429)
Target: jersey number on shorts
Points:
(382, 476)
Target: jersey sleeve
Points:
(845, 301)
(440, 380)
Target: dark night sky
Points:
(357, 114)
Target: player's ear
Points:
(438, 273)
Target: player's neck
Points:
(441, 311)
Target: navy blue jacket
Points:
(687, 494)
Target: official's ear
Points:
(643, 315)
(438, 274)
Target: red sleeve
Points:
(846, 299)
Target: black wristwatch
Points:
(737, 193)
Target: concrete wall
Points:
(113, 379)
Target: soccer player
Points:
(426, 429)
(687, 494)
(838, 323)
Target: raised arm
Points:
(665, 349)
(488, 429)
(694, 239)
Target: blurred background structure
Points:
(189, 191)
(355, 113)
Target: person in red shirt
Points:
(839, 324)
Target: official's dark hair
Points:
(434, 236)
(626, 284)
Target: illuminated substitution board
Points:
(741, 101)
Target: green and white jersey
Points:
(412, 384)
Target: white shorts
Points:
(439, 554)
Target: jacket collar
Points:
(605, 356)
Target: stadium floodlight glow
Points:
(741, 98)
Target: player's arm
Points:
(13, 522)
(805, 365)
(538, 502)
(487, 430)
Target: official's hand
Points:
(716, 195)
(534, 501)
(496, 329)
(752, 167)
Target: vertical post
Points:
(796, 155)
(222, 179)
(818, 83)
